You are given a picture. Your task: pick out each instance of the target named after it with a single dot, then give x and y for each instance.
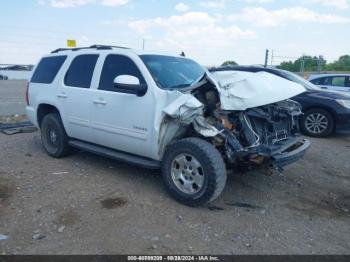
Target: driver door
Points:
(121, 120)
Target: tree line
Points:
(314, 63)
(309, 64)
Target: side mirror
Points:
(129, 84)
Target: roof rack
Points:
(98, 47)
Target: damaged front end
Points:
(247, 118)
(263, 136)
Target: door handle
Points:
(99, 102)
(324, 87)
(62, 95)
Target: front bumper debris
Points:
(290, 154)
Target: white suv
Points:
(165, 112)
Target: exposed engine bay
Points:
(266, 135)
(253, 134)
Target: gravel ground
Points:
(85, 204)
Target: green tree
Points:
(310, 64)
(342, 64)
(229, 63)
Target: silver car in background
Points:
(335, 82)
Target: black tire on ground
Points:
(212, 169)
(314, 112)
(53, 136)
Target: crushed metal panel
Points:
(184, 109)
(187, 110)
(202, 126)
(243, 90)
(182, 112)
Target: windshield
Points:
(173, 72)
(297, 79)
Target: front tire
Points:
(193, 171)
(53, 136)
(317, 122)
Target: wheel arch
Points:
(44, 109)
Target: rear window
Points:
(80, 71)
(47, 69)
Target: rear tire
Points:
(193, 171)
(317, 122)
(53, 136)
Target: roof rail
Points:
(98, 47)
(103, 47)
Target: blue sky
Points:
(208, 31)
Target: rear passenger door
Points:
(336, 83)
(75, 96)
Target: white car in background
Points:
(335, 82)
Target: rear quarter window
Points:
(47, 69)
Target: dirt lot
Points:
(84, 204)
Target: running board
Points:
(116, 155)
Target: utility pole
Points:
(266, 57)
(302, 64)
(143, 43)
(319, 64)
(272, 57)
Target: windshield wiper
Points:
(179, 86)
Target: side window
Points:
(327, 81)
(80, 71)
(47, 69)
(116, 65)
(348, 81)
(338, 81)
(318, 81)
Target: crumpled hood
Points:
(242, 90)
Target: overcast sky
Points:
(208, 31)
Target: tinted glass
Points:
(338, 81)
(80, 71)
(318, 81)
(116, 65)
(47, 69)
(327, 81)
(173, 72)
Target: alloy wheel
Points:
(316, 123)
(187, 173)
